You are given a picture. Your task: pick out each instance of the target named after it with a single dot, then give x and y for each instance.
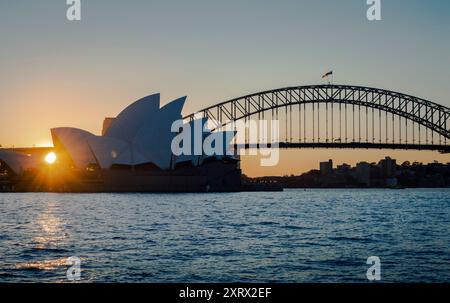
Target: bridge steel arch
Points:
(431, 115)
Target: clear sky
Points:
(59, 73)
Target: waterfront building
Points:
(134, 153)
(326, 168)
(388, 167)
(362, 173)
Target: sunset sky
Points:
(59, 73)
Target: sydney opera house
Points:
(133, 154)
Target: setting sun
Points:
(50, 158)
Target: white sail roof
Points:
(18, 162)
(131, 119)
(131, 156)
(86, 148)
(154, 138)
(75, 142)
(140, 134)
(106, 150)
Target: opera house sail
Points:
(134, 153)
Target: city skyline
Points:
(384, 173)
(56, 72)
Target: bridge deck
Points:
(352, 145)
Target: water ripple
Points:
(292, 236)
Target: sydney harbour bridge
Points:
(340, 116)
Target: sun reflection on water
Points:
(43, 265)
(49, 240)
(51, 229)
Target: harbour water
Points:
(290, 236)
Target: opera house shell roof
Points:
(18, 162)
(140, 134)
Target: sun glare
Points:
(50, 158)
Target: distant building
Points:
(388, 167)
(326, 168)
(362, 173)
(343, 169)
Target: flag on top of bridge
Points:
(327, 74)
